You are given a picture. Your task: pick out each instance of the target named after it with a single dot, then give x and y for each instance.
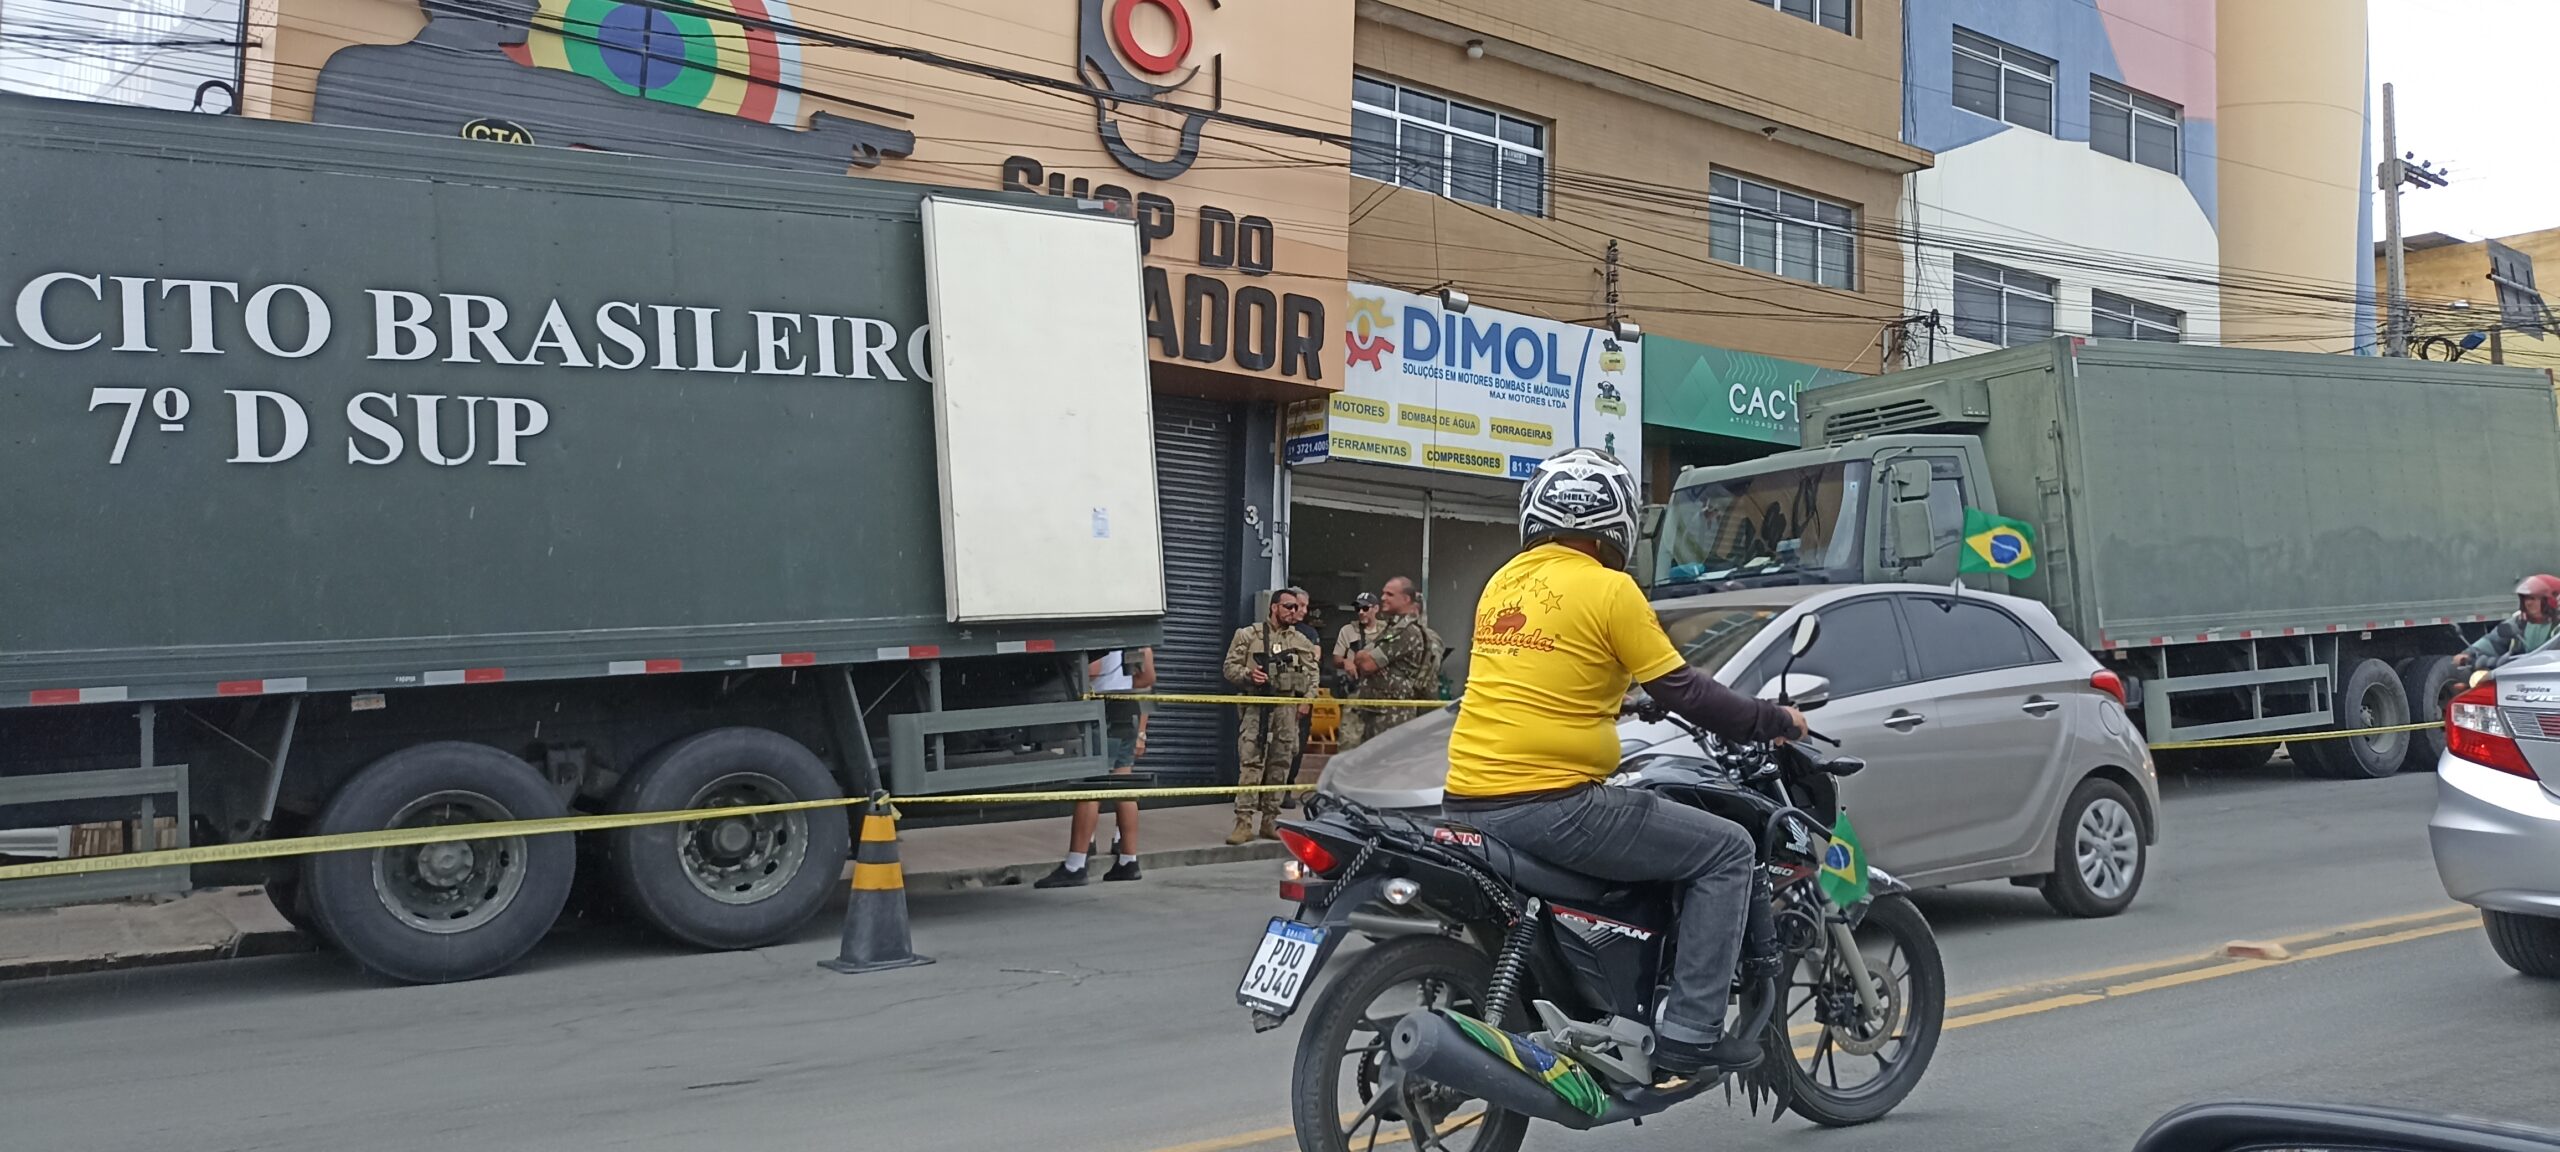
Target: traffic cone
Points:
(875, 915)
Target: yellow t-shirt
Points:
(1559, 638)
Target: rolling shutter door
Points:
(1199, 485)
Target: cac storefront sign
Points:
(1700, 388)
(1482, 391)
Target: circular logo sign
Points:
(1124, 36)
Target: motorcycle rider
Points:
(2536, 620)
(1560, 634)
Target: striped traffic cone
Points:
(875, 916)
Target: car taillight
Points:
(2474, 731)
(2109, 683)
(1308, 852)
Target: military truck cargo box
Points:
(2237, 530)
(544, 478)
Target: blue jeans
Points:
(1630, 836)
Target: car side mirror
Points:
(2245, 1127)
(1907, 536)
(1804, 690)
(1648, 529)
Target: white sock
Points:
(1126, 858)
(1075, 861)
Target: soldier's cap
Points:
(1367, 600)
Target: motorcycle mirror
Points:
(1808, 630)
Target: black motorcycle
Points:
(1498, 988)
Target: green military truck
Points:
(358, 480)
(2257, 542)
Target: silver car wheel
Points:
(2108, 847)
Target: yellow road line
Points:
(2362, 935)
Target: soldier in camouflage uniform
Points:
(1272, 658)
(1404, 662)
(1354, 638)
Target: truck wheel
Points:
(2431, 683)
(430, 913)
(740, 882)
(2372, 697)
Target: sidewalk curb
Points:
(246, 945)
(1007, 875)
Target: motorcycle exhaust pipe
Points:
(1428, 1045)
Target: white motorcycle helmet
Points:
(1585, 494)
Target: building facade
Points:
(1719, 175)
(2184, 170)
(2460, 309)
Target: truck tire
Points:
(2371, 697)
(432, 913)
(2431, 683)
(733, 883)
(2099, 859)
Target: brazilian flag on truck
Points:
(1997, 545)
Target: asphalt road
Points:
(1103, 1019)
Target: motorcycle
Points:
(1498, 989)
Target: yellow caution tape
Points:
(1340, 701)
(448, 833)
(2292, 737)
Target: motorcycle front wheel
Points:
(1845, 1071)
(1343, 1096)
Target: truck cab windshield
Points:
(1753, 529)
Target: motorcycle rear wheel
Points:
(1902, 954)
(1343, 1045)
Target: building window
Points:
(2002, 306)
(2003, 82)
(1777, 231)
(1831, 14)
(2128, 125)
(2125, 318)
(1447, 147)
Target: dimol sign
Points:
(1482, 391)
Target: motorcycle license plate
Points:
(1281, 966)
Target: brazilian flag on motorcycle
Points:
(1844, 866)
(1568, 1079)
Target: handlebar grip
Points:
(1819, 736)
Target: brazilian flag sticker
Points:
(1998, 545)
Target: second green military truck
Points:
(2256, 542)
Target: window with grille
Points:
(2003, 82)
(2125, 318)
(1831, 14)
(1417, 139)
(1780, 231)
(2002, 305)
(2128, 125)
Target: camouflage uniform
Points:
(1408, 655)
(1355, 721)
(1267, 738)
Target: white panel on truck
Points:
(1041, 413)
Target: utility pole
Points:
(2397, 169)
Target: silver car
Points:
(2496, 829)
(1996, 747)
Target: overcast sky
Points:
(2471, 78)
